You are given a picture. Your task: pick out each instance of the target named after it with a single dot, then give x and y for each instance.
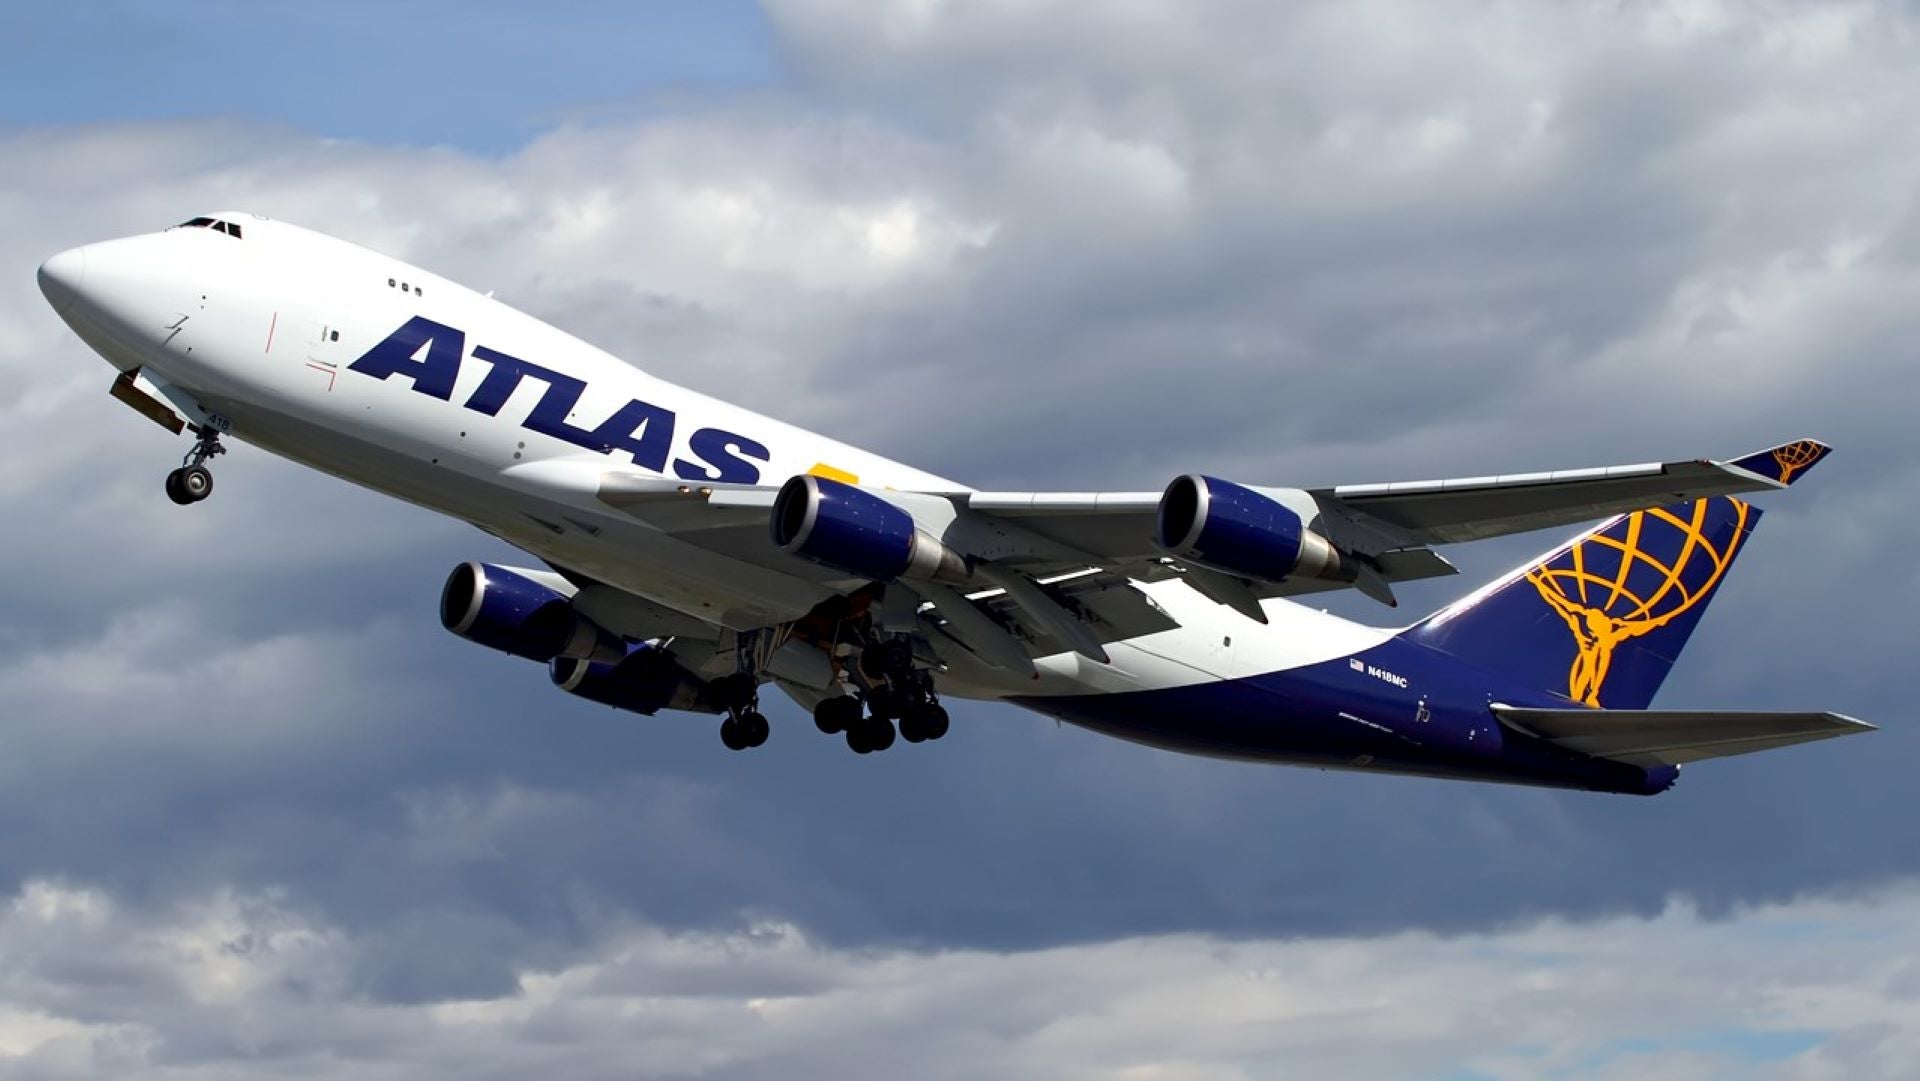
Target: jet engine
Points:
(1227, 527)
(510, 610)
(857, 531)
(648, 680)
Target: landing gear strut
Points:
(193, 481)
(739, 693)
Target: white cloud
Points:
(249, 983)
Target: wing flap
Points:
(1403, 565)
(1107, 604)
(1671, 737)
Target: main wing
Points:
(1380, 518)
(1057, 569)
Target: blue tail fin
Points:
(1602, 618)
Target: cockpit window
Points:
(228, 228)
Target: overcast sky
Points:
(260, 815)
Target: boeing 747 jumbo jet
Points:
(695, 552)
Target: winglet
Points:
(1784, 464)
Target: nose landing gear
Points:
(193, 481)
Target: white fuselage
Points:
(262, 333)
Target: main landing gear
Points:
(193, 481)
(895, 691)
(745, 726)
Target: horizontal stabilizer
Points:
(1671, 737)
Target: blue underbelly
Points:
(1389, 710)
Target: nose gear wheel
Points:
(193, 481)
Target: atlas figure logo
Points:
(430, 354)
(1794, 457)
(1633, 578)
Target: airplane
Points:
(693, 552)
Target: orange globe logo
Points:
(1609, 589)
(1794, 457)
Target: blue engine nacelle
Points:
(1227, 527)
(853, 530)
(646, 681)
(508, 611)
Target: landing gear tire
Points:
(196, 483)
(189, 484)
(744, 730)
(924, 722)
(754, 727)
(835, 715)
(193, 481)
(934, 721)
(870, 735)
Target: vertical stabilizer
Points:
(1601, 619)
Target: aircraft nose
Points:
(61, 276)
